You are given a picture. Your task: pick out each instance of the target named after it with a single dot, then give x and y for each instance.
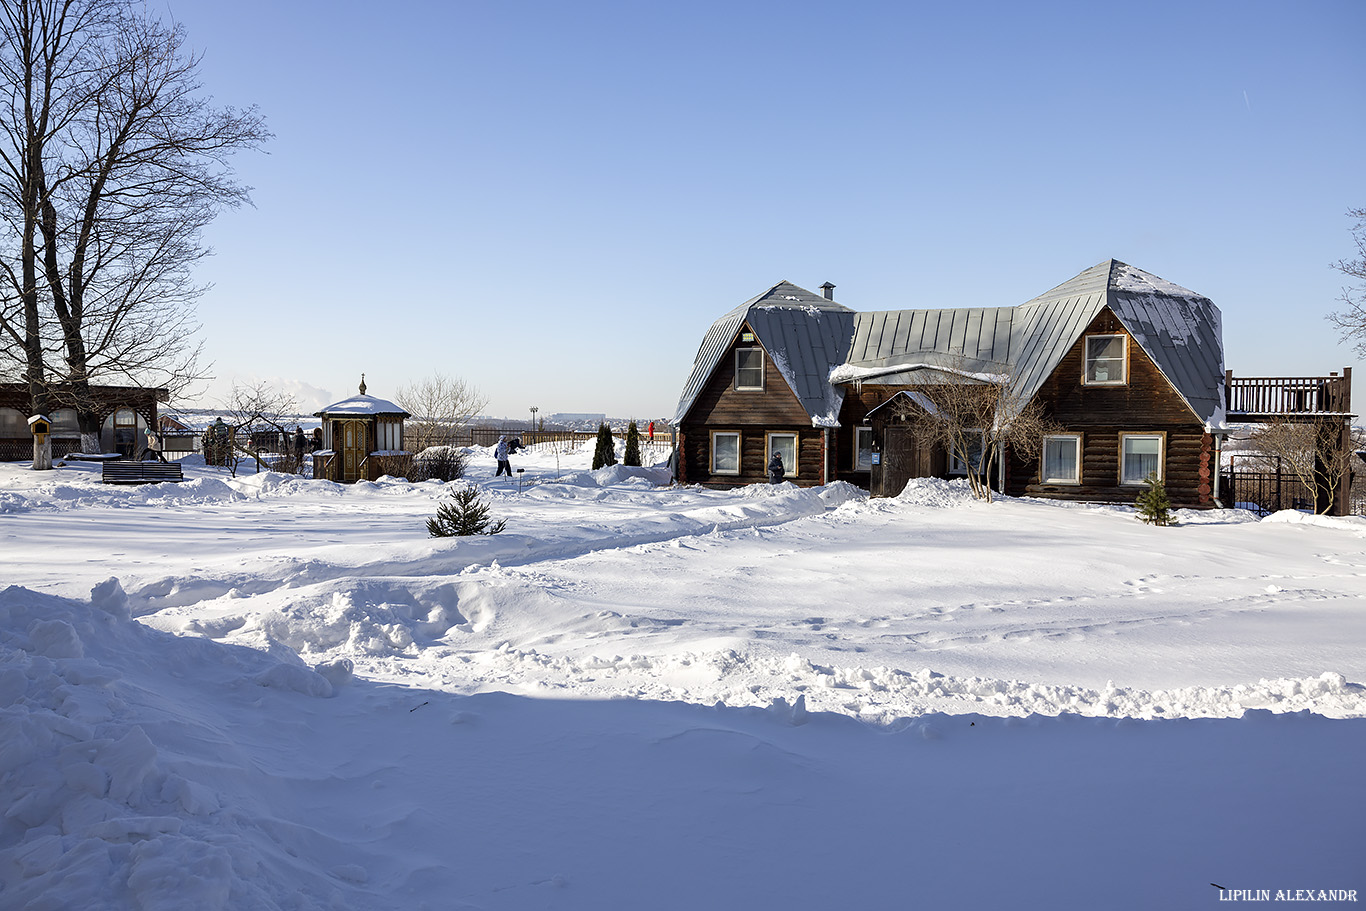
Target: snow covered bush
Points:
(465, 514)
(1154, 506)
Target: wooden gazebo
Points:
(362, 439)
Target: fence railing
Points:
(1265, 492)
(1281, 395)
(488, 436)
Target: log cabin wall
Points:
(1146, 403)
(753, 413)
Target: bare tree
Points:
(1351, 319)
(974, 417)
(439, 406)
(258, 416)
(1317, 454)
(112, 162)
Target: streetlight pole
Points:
(534, 409)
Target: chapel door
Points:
(353, 449)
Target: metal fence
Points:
(1265, 492)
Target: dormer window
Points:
(1106, 361)
(749, 368)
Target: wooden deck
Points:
(1261, 398)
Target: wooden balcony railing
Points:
(1297, 395)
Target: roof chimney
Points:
(828, 290)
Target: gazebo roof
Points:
(361, 405)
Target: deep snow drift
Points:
(676, 698)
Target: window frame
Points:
(1087, 359)
(1161, 438)
(1075, 439)
(712, 452)
(739, 387)
(865, 430)
(789, 471)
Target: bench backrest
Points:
(122, 472)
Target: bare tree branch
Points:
(974, 417)
(112, 162)
(439, 406)
(1314, 453)
(1351, 319)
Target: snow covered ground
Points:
(643, 696)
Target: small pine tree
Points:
(632, 454)
(1154, 506)
(606, 452)
(465, 514)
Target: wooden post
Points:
(42, 452)
(825, 456)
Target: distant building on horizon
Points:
(573, 418)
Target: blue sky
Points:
(554, 201)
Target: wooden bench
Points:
(127, 472)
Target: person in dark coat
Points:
(299, 443)
(775, 469)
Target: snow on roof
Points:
(849, 373)
(1124, 277)
(361, 404)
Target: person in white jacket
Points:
(500, 452)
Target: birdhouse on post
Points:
(40, 425)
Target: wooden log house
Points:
(1128, 366)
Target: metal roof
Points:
(804, 333)
(1181, 331)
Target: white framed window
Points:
(956, 464)
(1140, 454)
(749, 368)
(1061, 459)
(785, 446)
(863, 448)
(1107, 360)
(725, 453)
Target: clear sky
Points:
(554, 200)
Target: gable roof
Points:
(804, 333)
(1181, 332)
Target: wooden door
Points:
(353, 449)
(901, 461)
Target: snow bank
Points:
(113, 774)
(936, 493)
(146, 771)
(614, 475)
